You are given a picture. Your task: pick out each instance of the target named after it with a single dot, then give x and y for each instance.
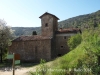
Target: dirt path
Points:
(22, 71)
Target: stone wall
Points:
(61, 44)
(32, 50)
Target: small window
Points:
(64, 37)
(61, 46)
(46, 25)
(59, 55)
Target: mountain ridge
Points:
(81, 21)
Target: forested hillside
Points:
(18, 31)
(87, 20)
(81, 21)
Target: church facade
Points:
(50, 44)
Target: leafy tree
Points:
(95, 24)
(74, 41)
(91, 39)
(5, 37)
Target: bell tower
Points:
(49, 24)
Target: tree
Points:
(5, 38)
(74, 41)
(34, 33)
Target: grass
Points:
(70, 60)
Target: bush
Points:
(74, 41)
(41, 70)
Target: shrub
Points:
(74, 41)
(41, 70)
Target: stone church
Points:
(50, 44)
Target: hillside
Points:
(82, 21)
(18, 31)
(87, 20)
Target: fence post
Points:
(13, 66)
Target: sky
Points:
(26, 13)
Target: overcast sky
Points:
(25, 13)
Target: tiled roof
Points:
(69, 30)
(34, 37)
(46, 13)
